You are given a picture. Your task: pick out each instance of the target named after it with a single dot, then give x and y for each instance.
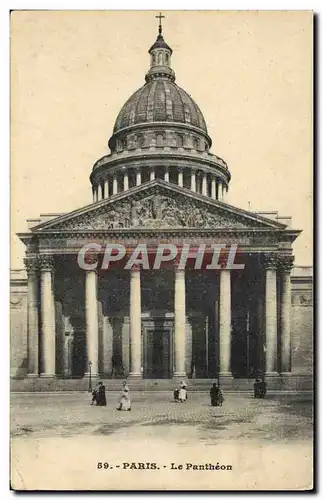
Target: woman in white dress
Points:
(124, 401)
(182, 393)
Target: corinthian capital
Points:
(270, 260)
(46, 262)
(31, 264)
(286, 262)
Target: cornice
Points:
(162, 125)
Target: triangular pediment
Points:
(160, 205)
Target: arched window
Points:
(206, 146)
(159, 140)
(179, 141)
(160, 58)
(166, 58)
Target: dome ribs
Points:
(178, 105)
(160, 100)
(169, 103)
(189, 109)
(159, 111)
(150, 102)
(141, 106)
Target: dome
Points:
(160, 100)
(160, 133)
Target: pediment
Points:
(159, 205)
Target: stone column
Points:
(99, 193)
(106, 188)
(138, 177)
(152, 174)
(225, 322)
(180, 177)
(220, 191)
(166, 174)
(286, 265)
(91, 320)
(96, 196)
(193, 181)
(179, 323)
(270, 262)
(115, 185)
(48, 347)
(32, 317)
(126, 181)
(204, 184)
(213, 188)
(135, 324)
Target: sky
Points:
(249, 72)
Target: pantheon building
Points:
(160, 183)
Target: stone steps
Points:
(38, 384)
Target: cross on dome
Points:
(160, 17)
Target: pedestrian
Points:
(182, 393)
(124, 401)
(256, 389)
(220, 396)
(214, 394)
(261, 388)
(98, 395)
(176, 393)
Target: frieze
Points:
(62, 242)
(303, 299)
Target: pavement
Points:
(58, 441)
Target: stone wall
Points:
(302, 320)
(18, 324)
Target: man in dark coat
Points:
(98, 395)
(214, 393)
(260, 388)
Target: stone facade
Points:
(160, 184)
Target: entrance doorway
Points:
(157, 353)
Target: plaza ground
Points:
(58, 439)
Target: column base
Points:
(271, 374)
(48, 375)
(285, 374)
(32, 375)
(179, 375)
(93, 375)
(134, 375)
(225, 379)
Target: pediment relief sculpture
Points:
(156, 211)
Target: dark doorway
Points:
(78, 354)
(157, 353)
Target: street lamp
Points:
(90, 378)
